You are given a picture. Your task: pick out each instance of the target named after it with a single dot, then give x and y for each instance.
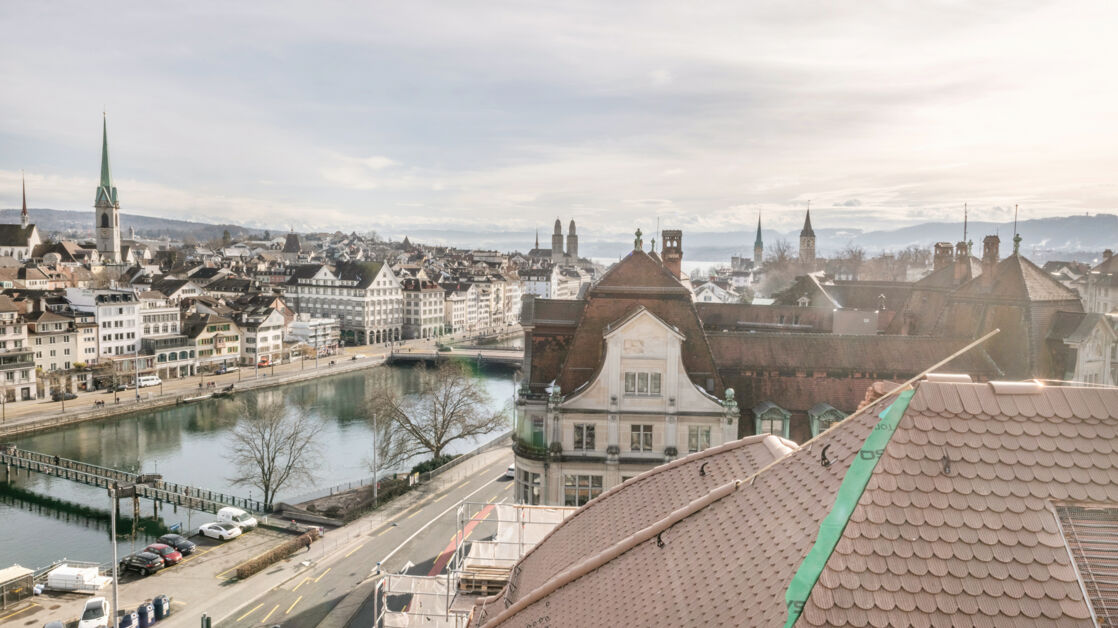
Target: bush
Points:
(433, 463)
(276, 554)
(389, 490)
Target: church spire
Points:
(807, 230)
(105, 191)
(23, 218)
(758, 242)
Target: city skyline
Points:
(437, 116)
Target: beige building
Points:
(641, 409)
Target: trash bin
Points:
(129, 620)
(162, 606)
(147, 614)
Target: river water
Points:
(189, 445)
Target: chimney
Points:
(942, 255)
(962, 262)
(672, 253)
(990, 252)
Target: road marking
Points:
(265, 620)
(301, 583)
(323, 574)
(22, 610)
(417, 511)
(460, 485)
(433, 519)
(250, 611)
(293, 605)
(444, 557)
(383, 531)
(354, 550)
(491, 499)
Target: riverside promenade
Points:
(25, 417)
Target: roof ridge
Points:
(594, 562)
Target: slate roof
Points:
(15, 235)
(974, 542)
(364, 273)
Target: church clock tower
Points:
(107, 208)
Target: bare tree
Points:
(450, 405)
(273, 447)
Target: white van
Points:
(237, 517)
(144, 381)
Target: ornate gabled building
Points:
(107, 208)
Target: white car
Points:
(220, 530)
(359, 356)
(95, 614)
(510, 473)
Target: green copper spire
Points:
(105, 191)
(758, 242)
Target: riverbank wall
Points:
(48, 420)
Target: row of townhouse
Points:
(374, 304)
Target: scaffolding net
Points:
(419, 601)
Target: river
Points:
(188, 445)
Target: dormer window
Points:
(642, 384)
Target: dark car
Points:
(170, 555)
(142, 563)
(119, 387)
(59, 395)
(179, 542)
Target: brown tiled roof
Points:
(956, 526)
(906, 355)
(640, 502)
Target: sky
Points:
(495, 116)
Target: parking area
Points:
(195, 579)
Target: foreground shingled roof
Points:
(957, 526)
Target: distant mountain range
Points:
(1072, 237)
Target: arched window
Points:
(182, 355)
(105, 221)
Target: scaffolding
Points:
(476, 567)
(485, 566)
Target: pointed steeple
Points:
(807, 230)
(105, 190)
(758, 242)
(537, 239)
(24, 220)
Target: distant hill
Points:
(79, 224)
(1072, 237)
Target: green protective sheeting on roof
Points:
(850, 491)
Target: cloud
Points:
(373, 115)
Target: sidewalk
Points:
(221, 599)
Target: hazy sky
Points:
(504, 115)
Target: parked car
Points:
(264, 361)
(222, 370)
(238, 517)
(95, 614)
(55, 624)
(142, 563)
(119, 387)
(170, 555)
(60, 395)
(359, 356)
(219, 530)
(184, 545)
(510, 472)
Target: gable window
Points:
(640, 438)
(584, 436)
(698, 437)
(639, 383)
(770, 418)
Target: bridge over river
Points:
(135, 485)
(480, 355)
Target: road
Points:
(421, 534)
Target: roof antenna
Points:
(965, 222)
(1016, 236)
